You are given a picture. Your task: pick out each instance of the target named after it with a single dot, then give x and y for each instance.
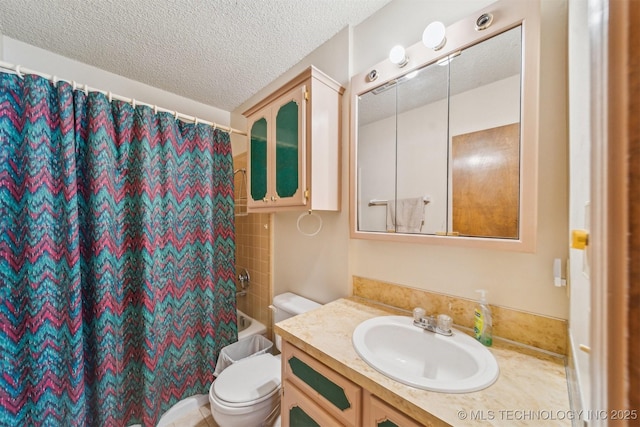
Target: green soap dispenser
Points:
(483, 325)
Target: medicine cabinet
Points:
(444, 148)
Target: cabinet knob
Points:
(265, 200)
(274, 198)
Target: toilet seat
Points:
(248, 382)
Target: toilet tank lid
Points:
(293, 303)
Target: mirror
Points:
(446, 151)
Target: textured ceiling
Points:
(219, 52)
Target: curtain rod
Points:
(19, 70)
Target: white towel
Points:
(409, 216)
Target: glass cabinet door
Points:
(277, 153)
(258, 160)
(289, 150)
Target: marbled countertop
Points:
(531, 389)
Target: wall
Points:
(315, 267)
(321, 267)
(579, 194)
(19, 53)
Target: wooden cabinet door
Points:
(300, 410)
(335, 394)
(379, 414)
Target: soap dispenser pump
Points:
(483, 324)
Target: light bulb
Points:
(433, 36)
(397, 56)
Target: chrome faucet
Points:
(243, 278)
(440, 325)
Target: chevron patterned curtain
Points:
(116, 257)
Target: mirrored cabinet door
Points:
(420, 202)
(484, 124)
(376, 158)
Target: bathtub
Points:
(246, 327)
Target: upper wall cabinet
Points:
(444, 146)
(294, 146)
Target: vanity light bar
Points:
(385, 87)
(394, 82)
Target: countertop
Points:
(531, 389)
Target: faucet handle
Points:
(444, 323)
(418, 314)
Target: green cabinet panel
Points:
(325, 387)
(287, 149)
(387, 423)
(258, 159)
(299, 418)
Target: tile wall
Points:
(253, 252)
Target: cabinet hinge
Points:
(306, 193)
(306, 95)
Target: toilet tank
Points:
(288, 305)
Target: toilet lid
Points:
(248, 380)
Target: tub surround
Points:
(543, 332)
(530, 381)
(253, 252)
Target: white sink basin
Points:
(452, 364)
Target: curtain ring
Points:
(109, 97)
(54, 80)
(195, 121)
(175, 114)
(73, 82)
(215, 126)
(133, 103)
(155, 109)
(86, 89)
(18, 72)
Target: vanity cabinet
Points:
(315, 395)
(336, 396)
(378, 414)
(294, 143)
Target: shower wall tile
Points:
(253, 252)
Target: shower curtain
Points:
(116, 257)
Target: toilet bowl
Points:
(247, 393)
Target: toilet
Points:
(247, 393)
